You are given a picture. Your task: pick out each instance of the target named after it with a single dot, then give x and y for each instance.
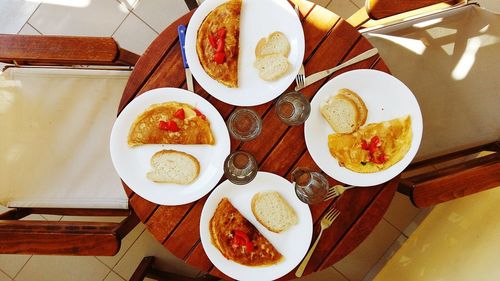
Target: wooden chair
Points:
(61, 237)
(441, 51)
(146, 269)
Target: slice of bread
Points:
(271, 67)
(171, 166)
(275, 43)
(273, 212)
(341, 113)
(363, 111)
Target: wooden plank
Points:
(142, 207)
(165, 219)
(198, 258)
(181, 242)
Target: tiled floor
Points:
(134, 24)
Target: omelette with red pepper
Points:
(217, 43)
(238, 240)
(171, 123)
(374, 147)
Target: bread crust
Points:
(265, 40)
(363, 111)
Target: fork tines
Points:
(332, 193)
(332, 214)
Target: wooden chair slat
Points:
(459, 180)
(379, 9)
(59, 50)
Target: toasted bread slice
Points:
(273, 212)
(271, 67)
(171, 166)
(363, 111)
(341, 113)
(275, 43)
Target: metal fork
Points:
(336, 190)
(300, 80)
(326, 222)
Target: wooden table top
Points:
(329, 41)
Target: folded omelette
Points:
(170, 123)
(374, 147)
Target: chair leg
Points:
(142, 270)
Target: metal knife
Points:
(182, 39)
(313, 78)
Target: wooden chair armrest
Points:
(63, 50)
(379, 9)
(452, 182)
(64, 237)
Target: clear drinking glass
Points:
(240, 167)
(310, 187)
(244, 124)
(292, 108)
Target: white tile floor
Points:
(134, 24)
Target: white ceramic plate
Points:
(259, 18)
(292, 243)
(386, 98)
(132, 164)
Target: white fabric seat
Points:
(450, 61)
(54, 146)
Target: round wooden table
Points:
(329, 41)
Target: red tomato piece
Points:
(219, 57)
(220, 45)
(364, 145)
(242, 239)
(169, 126)
(201, 115)
(162, 125)
(180, 114)
(382, 158)
(221, 33)
(376, 141)
(212, 40)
